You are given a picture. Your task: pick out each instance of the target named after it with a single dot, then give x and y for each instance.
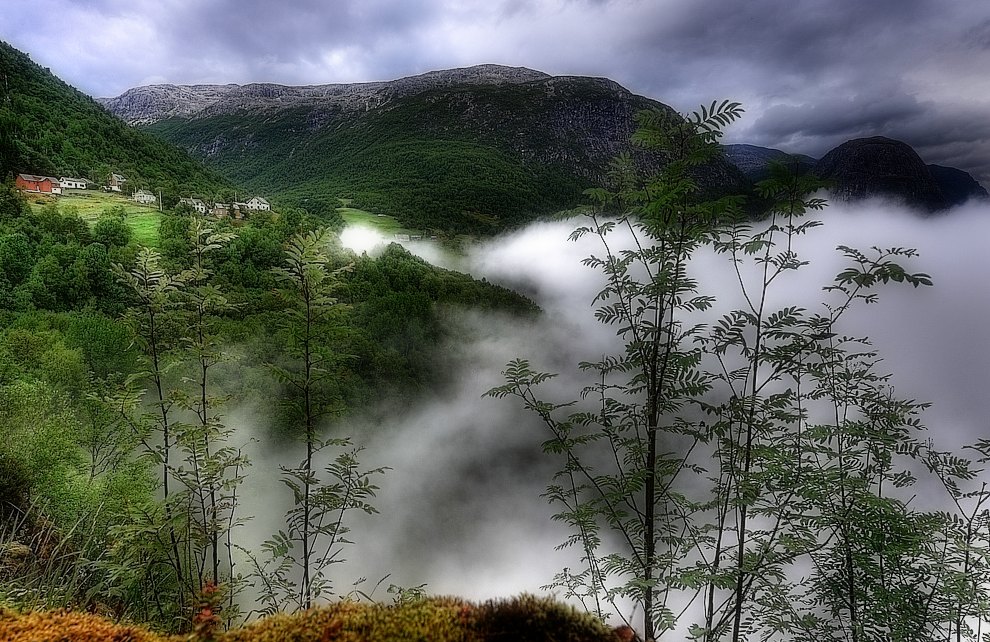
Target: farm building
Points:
(220, 210)
(73, 183)
(43, 184)
(223, 210)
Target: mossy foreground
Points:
(521, 619)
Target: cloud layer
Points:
(462, 510)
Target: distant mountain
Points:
(153, 103)
(880, 166)
(957, 186)
(465, 150)
(476, 149)
(754, 162)
(869, 167)
(47, 127)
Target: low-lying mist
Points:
(461, 508)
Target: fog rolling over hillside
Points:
(461, 511)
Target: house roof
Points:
(66, 179)
(37, 179)
(260, 200)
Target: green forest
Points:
(459, 184)
(118, 363)
(749, 477)
(447, 160)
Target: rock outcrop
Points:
(881, 167)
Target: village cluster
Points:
(115, 183)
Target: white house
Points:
(195, 203)
(73, 183)
(258, 203)
(144, 196)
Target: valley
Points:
(501, 333)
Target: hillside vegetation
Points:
(470, 158)
(78, 488)
(47, 127)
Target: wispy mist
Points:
(461, 511)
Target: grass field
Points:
(90, 205)
(143, 220)
(387, 225)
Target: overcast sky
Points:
(811, 73)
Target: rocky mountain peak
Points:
(880, 166)
(153, 103)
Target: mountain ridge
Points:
(469, 149)
(148, 104)
(508, 145)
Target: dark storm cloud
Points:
(811, 73)
(815, 74)
(298, 42)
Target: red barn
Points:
(31, 183)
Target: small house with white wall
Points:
(258, 203)
(194, 203)
(73, 183)
(145, 197)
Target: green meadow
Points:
(387, 225)
(91, 205)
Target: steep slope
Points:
(47, 127)
(467, 150)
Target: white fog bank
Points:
(460, 509)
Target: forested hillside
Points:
(91, 324)
(476, 158)
(47, 127)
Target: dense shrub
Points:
(442, 619)
(528, 618)
(66, 626)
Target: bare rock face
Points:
(880, 166)
(153, 103)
